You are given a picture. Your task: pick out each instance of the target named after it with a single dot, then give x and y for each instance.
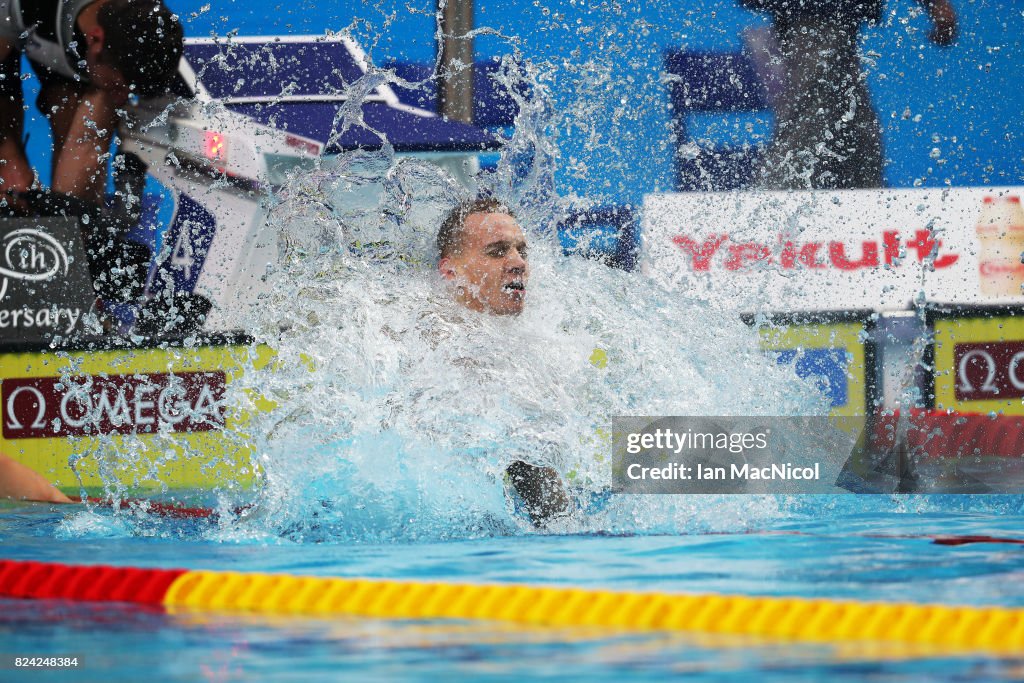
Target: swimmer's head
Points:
(482, 253)
(138, 48)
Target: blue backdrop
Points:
(950, 116)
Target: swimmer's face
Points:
(488, 265)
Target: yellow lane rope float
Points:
(994, 630)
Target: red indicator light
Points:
(216, 146)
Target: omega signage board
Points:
(135, 417)
(45, 287)
(839, 250)
(978, 359)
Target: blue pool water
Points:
(845, 554)
(614, 135)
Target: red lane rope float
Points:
(163, 509)
(47, 580)
(174, 510)
(937, 539)
(948, 629)
(964, 540)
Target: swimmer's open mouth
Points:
(515, 286)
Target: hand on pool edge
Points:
(19, 482)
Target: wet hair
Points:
(143, 40)
(449, 237)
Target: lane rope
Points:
(954, 629)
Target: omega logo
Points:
(989, 370)
(12, 420)
(121, 404)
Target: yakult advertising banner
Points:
(839, 250)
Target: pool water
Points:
(882, 555)
(327, 440)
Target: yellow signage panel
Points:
(833, 350)
(136, 419)
(978, 359)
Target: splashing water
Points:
(396, 412)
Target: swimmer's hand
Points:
(21, 483)
(541, 490)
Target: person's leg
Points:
(15, 173)
(83, 121)
(81, 169)
(826, 133)
(859, 135)
(58, 100)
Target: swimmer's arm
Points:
(21, 483)
(541, 490)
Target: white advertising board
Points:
(839, 250)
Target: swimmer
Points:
(21, 483)
(483, 256)
(89, 55)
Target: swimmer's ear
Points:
(94, 40)
(444, 266)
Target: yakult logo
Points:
(120, 404)
(989, 371)
(789, 254)
(30, 256)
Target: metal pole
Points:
(456, 77)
